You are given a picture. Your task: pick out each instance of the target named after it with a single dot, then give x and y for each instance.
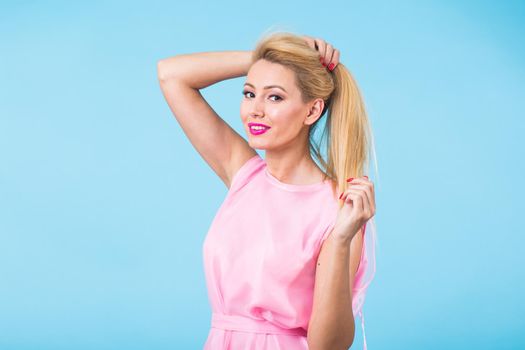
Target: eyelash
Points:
(245, 92)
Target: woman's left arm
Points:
(332, 324)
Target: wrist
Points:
(341, 237)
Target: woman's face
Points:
(271, 98)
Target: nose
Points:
(256, 110)
(256, 114)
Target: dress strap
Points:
(363, 327)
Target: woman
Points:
(285, 259)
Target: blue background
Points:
(104, 204)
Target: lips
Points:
(257, 124)
(257, 128)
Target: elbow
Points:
(160, 72)
(340, 342)
(327, 345)
(169, 69)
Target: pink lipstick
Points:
(258, 129)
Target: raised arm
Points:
(180, 79)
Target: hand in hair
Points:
(329, 55)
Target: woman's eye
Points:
(246, 92)
(249, 92)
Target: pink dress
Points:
(260, 256)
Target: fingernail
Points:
(341, 195)
(349, 179)
(365, 176)
(331, 66)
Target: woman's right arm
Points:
(180, 79)
(202, 69)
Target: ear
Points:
(314, 112)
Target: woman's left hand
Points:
(329, 54)
(359, 206)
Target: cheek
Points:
(287, 119)
(243, 112)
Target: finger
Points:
(310, 41)
(365, 187)
(370, 184)
(328, 55)
(359, 179)
(350, 194)
(366, 204)
(355, 198)
(362, 192)
(335, 57)
(321, 47)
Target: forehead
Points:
(264, 73)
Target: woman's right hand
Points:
(329, 55)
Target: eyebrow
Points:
(268, 87)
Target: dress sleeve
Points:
(326, 232)
(329, 229)
(245, 172)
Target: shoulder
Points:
(243, 168)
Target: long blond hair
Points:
(347, 132)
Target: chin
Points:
(256, 145)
